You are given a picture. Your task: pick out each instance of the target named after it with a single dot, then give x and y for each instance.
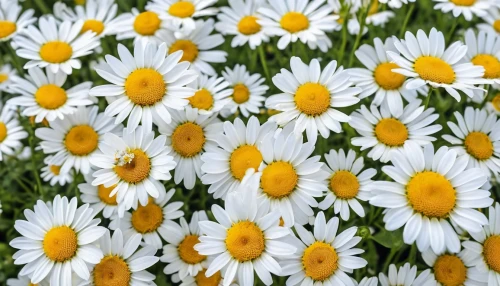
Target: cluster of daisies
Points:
(168, 118)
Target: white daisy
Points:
(12, 22)
(11, 132)
(23, 281)
(139, 26)
(375, 16)
(52, 173)
(99, 199)
(372, 281)
(467, 8)
(209, 94)
(406, 276)
(201, 279)
(492, 19)
(482, 50)
(450, 268)
(493, 106)
(6, 75)
(57, 242)
(429, 191)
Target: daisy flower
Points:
(425, 61)
(429, 191)
(43, 95)
(492, 19)
(310, 97)
(483, 51)
(467, 8)
(493, 106)
(139, 26)
(52, 173)
(190, 135)
(347, 184)
(6, 75)
(372, 281)
(57, 241)
(450, 268)
(11, 132)
(406, 276)
(201, 279)
(248, 91)
(12, 22)
(210, 94)
(240, 149)
(245, 238)
(75, 140)
(384, 133)
(197, 46)
(322, 256)
(99, 199)
(22, 281)
(135, 163)
(144, 84)
(151, 220)
(375, 16)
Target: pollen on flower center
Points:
(244, 158)
(294, 22)
(81, 140)
(431, 194)
(202, 280)
(241, 94)
(7, 28)
(146, 219)
(496, 26)
(312, 99)
(202, 99)
(112, 271)
(463, 2)
(3, 77)
(320, 260)
(188, 139)
(245, 241)
(104, 193)
(60, 243)
(145, 87)
(496, 102)
(279, 179)
(386, 78)
(450, 270)
(187, 252)
(479, 145)
(56, 170)
(51, 96)
(56, 52)
(248, 25)
(182, 9)
(344, 185)
(391, 132)
(3, 131)
(434, 69)
(95, 26)
(147, 23)
(189, 49)
(490, 63)
(136, 170)
(491, 252)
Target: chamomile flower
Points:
(406, 276)
(144, 84)
(11, 132)
(52, 173)
(426, 62)
(310, 97)
(467, 8)
(210, 94)
(477, 137)
(99, 199)
(482, 50)
(449, 268)
(135, 163)
(151, 220)
(347, 184)
(12, 22)
(140, 26)
(6, 75)
(396, 4)
(56, 46)
(57, 241)
(22, 281)
(384, 133)
(248, 91)
(430, 190)
(492, 19)
(43, 95)
(322, 256)
(75, 140)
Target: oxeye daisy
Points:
(44, 96)
(6, 75)
(248, 91)
(467, 8)
(477, 137)
(151, 220)
(449, 268)
(144, 84)
(75, 140)
(492, 19)
(425, 61)
(210, 94)
(245, 238)
(406, 276)
(322, 256)
(11, 132)
(52, 173)
(240, 149)
(310, 97)
(135, 163)
(197, 46)
(12, 22)
(57, 241)
(99, 199)
(384, 133)
(429, 191)
(138, 26)
(347, 184)
(482, 50)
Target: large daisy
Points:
(52, 173)
(467, 8)
(429, 191)
(11, 132)
(99, 199)
(138, 26)
(406, 276)
(209, 94)
(450, 268)
(12, 21)
(482, 50)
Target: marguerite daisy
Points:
(138, 26)
(450, 268)
(209, 94)
(6, 75)
(493, 106)
(483, 51)
(11, 132)
(12, 22)
(467, 8)
(492, 19)
(99, 199)
(406, 276)
(52, 173)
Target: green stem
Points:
(43, 6)
(14, 58)
(452, 31)
(362, 23)
(389, 259)
(264, 63)
(413, 254)
(343, 44)
(407, 19)
(428, 99)
(31, 140)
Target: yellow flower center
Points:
(81, 140)
(79, 2)
(479, 145)
(391, 132)
(136, 170)
(282, 222)
(3, 131)
(31, 284)
(7, 28)
(241, 94)
(145, 87)
(188, 139)
(103, 194)
(496, 26)
(463, 2)
(202, 99)
(496, 102)
(434, 69)
(147, 23)
(450, 270)
(344, 185)
(3, 77)
(490, 63)
(294, 22)
(146, 219)
(431, 194)
(245, 241)
(202, 280)
(56, 170)
(387, 79)
(44, 121)
(248, 25)
(320, 260)
(244, 158)
(187, 252)
(51, 96)
(182, 9)
(56, 52)
(95, 26)
(189, 49)
(279, 179)
(112, 271)
(491, 252)
(60, 243)
(312, 99)
(373, 8)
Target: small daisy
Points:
(190, 135)
(347, 184)
(99, 199)
(467, 8)
(201, 279)
(139, 26)
(375, 16)
(430, 190)
(406, 276)
(12, 22)
(493, 106)
(311, 97)
(248, 91)
(483, 51)
(449, 268)
(322, 256)
(210, 94)
(52, 173)
(492, 19)
(11, 132)
(151, 221)
(23, 281)
(135, 163)
(384, 133)
(75, 140)
(57, 241)
(42, 95)
(6, 75)
(144, 84)
(396, 4)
